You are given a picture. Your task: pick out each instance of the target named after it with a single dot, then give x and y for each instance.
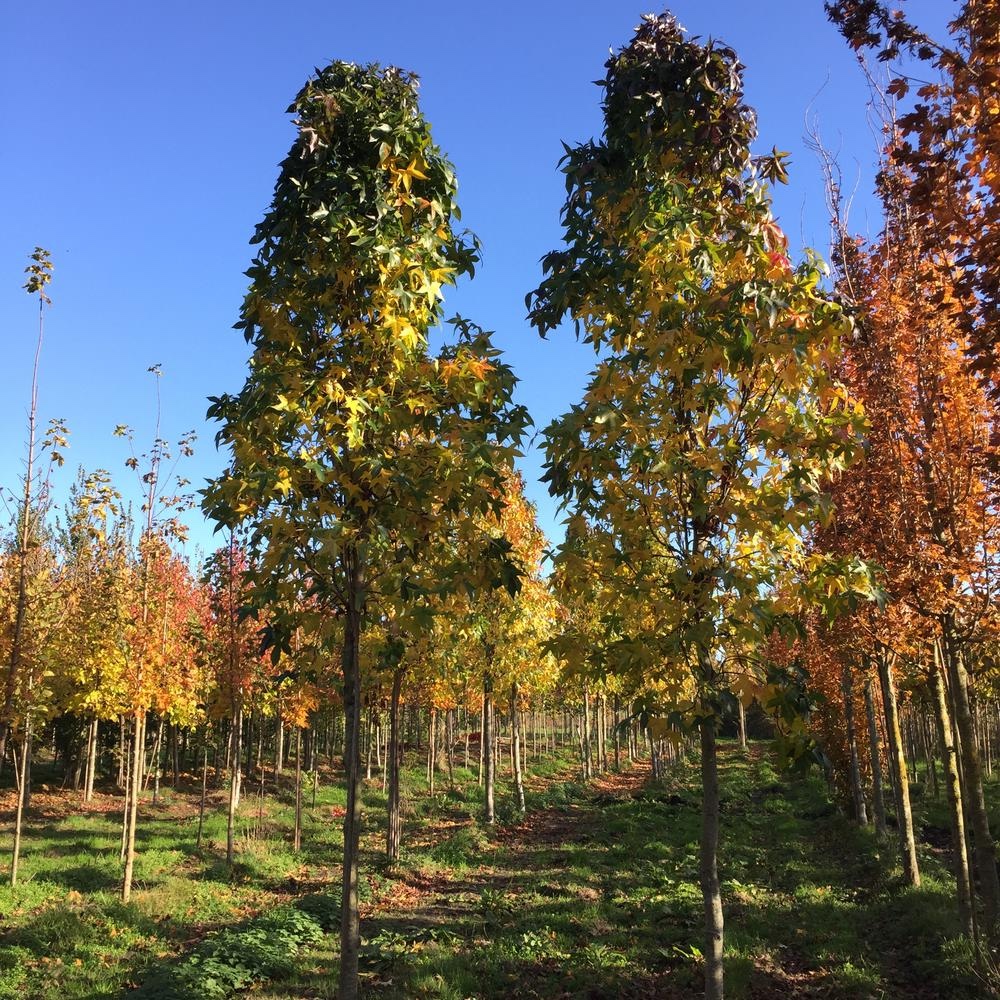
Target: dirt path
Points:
(424, 900)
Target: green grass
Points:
(594, 893)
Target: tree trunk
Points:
(279, 745)
(154, 764)
(741, 720)
(138, 739)
(488, 756)
(297, 836)
(897, 760)
(465, 712)
(588, 766)
(122, 755)
(482, 739)
(449, 737)
(350, 920)
(394, 826)
(88, 783)
(127, 779)
(23, 777)
(878, 799)
(369, 740)
(984, 848)
(204, 792)
(235, 778)
(954, 790)
(710, 890)
(857, 792)
(431, 750)
(516, 750)
(615, 734)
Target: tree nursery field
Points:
(734, 732)
(594, 892)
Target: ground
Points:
(594, 894)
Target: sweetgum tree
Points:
(353, 447)
(700, 446)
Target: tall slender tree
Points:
(711, 419)
(351, 444)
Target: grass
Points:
(594, 893)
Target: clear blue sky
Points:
(141, 143)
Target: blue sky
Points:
(141, 144)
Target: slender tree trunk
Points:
(279, 745)
(710, 890)
(394, 826)
(741, 720)
(878, 799)
(431, 750)
(984, 848)
(88, 783)
(138, 738)
(350, 920)
(465, 758)
(122, 755)
(897, 759)
(158, 749)
(929, 756)
(449, 737)
(588, 766)
(173, 741)
(235, 778)
(516, 747)
(602, 740)
(127, 779)
(488, 756)
(482, 739)
(204, 793)
(857, 792)
(23, 778)
(615, 733)
(297, 836)
(654, 757)
(953, 787)
(369, 740)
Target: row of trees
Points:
(775, 490)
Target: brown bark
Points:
(88, 782)
(235, 778)
(984, 853)
(394, 826)
(297, 835)
(857, 792)
(204, 793)
(710, 889)
(897, 761)
(954, 790)
(350, 920)
(488, 755)
(878, 796)
(23, 777)
(516, 749)
(138, 740)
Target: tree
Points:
(157, 573)
(350, 443)
(90, 666)
(33, 501)
(948, 145)
(923, 504)
(711, 419)
(235, 642)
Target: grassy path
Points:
(596, 895)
